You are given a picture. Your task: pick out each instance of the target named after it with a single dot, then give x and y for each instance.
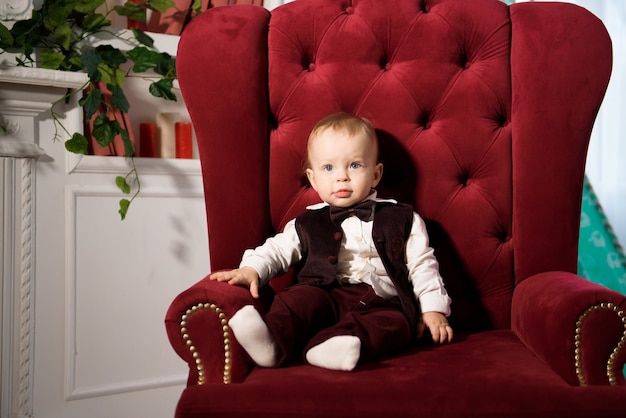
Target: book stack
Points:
(168, 137)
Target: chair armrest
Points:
(576, 326)
(197, 327)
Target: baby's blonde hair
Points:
(352, 125)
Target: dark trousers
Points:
(304, 316)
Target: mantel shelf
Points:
(42, 77)
(112, 164)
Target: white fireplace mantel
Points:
(26, 95)
(82, 293)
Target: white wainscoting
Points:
(121, 278)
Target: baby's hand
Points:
(245, 276)
(438, 326)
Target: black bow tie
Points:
(362, 210)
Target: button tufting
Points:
(337, 236)
(388, 66)
(423, 121)
(349, 10)
(332, 259)
(312, 66)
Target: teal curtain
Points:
(601, 258)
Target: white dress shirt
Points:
(358, 260)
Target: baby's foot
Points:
(254, 336)
(336, 353)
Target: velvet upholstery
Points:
(484, 113)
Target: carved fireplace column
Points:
(17, 158)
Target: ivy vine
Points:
(62, 32)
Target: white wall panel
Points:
(122, 278)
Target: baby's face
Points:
(342, 168)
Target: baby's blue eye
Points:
(355, 165)
(327, 167)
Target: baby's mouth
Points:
(343, 193)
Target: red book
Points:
(183, 140)
(148, 140)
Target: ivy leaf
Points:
(91, 59)
(75, 61)
(124, 204)
(28, 51)
(197, 5)
(167, 65)
(28, 32)
(132, 11)
(104, 130)
(94, 21)
(55, 15)
(77, 144)
(143, 38)
(144, 58)
(111, 56)
(91, 102)
(87, 6)
(63, 35)
(110, 75)
(118, 99)
(121, 184)
(51, 59)
(6, 38)
(162, 88)
(160, 5)
(129, 149)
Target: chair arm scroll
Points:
(197, 327)
(577, 327)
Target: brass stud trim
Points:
(226, 340)
(610, 369)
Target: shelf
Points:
(41, 77)
(116, 165)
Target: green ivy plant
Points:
(59, 36)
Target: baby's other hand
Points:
(245, 276)
(439, 328)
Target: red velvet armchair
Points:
(484, 113)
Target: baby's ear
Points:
(311, 176)
(378, 174)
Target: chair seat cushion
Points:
(488, 374)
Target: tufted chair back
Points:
(484, 130)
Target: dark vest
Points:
(320, 241)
